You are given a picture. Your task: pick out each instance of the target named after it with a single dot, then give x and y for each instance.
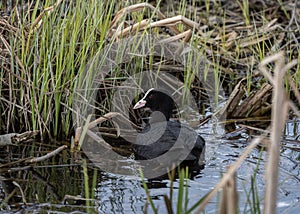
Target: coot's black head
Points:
(157, 101)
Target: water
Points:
(46, 184)
(219, 154)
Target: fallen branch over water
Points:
(25, 163)
(47, 156)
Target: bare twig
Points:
(47, 156)
(168, 22)
(100, 120)
(138, 7)
(22, 192)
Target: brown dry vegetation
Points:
(235, 37)
(253, 47)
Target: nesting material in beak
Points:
(139, 104)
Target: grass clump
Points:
(47, 50)
(47, 46)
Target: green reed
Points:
(53, 55)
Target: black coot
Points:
(161, 134)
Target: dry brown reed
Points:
(235, 45)
(279, 114)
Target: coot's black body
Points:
(161, 135)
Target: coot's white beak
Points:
(140, 104)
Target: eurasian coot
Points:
(161, 134)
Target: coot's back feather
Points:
(158, 138)
(161, 135)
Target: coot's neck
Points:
(159, 116)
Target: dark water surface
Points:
(46, 184)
